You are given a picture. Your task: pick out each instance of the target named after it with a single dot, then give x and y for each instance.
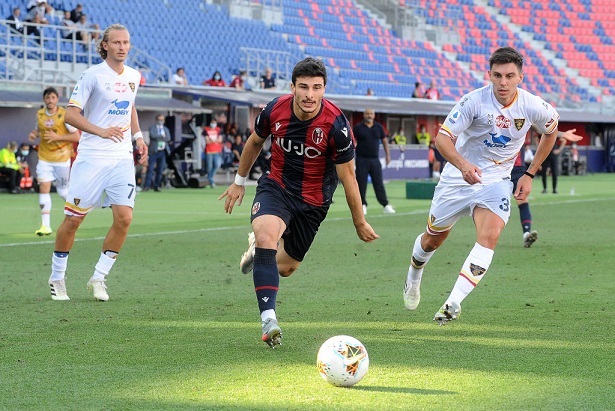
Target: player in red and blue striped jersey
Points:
(312, 147)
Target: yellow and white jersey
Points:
(107, 99)
(54, 151)
(490, 135)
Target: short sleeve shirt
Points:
(304, 153)
(490, 135)
(107, 99)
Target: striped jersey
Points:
(304, 153)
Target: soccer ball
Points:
(342, 361)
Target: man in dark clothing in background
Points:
(369, 134)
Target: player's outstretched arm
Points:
(234, 194)
(346, 175)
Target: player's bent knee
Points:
(72, 222)
(286, 269)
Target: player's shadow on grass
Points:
(416, 391)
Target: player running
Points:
(54, 153)
(312, 146)
(489, 126)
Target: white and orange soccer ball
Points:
(342, 361)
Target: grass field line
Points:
(201, 230)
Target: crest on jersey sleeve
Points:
(318, 135)
(519, 122)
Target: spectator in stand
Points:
(238, 81)
(10, 166)
(267, 81)
(17, 24)
(432, 92)
(370, 91)
(75, 14)
(36, 15)
(70, 29)
(215, 81)
(213, 150)
(179, 77)
(417, 93)
(85, 32)
(31, 4)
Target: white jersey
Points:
(490, 135)
(107, 99)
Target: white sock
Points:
(104, 265)
(268, 314)
(472, 271)
(418, 261)
(59, 261)
(45, 201)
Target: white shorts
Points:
(47, 172)
(92, 178)
(450, 203)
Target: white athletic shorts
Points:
(450, 203)
(96, 182)
(47, 172)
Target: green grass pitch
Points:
(181, 330)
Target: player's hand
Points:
(366, 232)
(524, 188)
(50, 135)
(570, 136)
(234, 195)
(112, 133)
(471, 174)
(143, 150)
(33, 135)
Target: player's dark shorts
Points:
(302, 220)
(516, 174)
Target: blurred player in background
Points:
(54, 153)
(312, 146)
(524, 158)
(105, 165)
(480, 139)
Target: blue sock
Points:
(266, 278)
(526, 217)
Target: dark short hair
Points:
(505, 55)
(310, 67)
(417, 84)
(50, 90)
